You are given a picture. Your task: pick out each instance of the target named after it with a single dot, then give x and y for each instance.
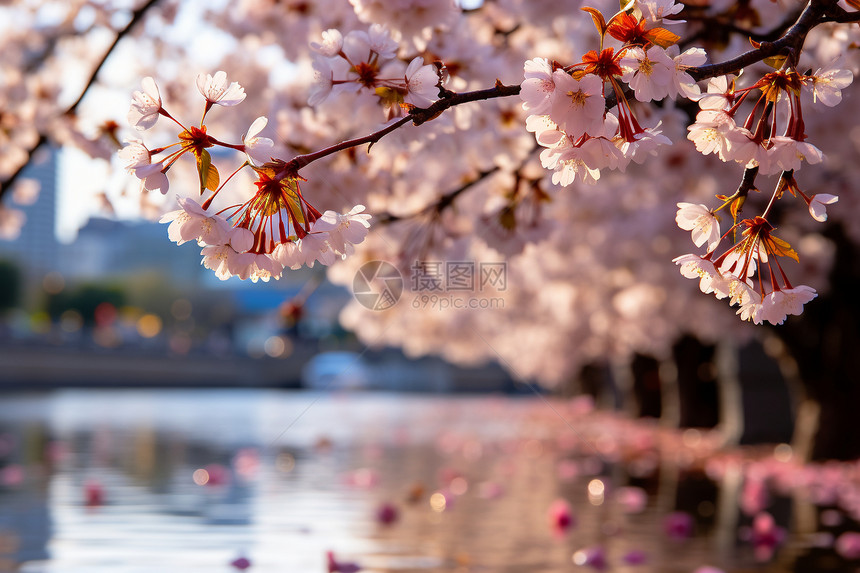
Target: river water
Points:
(128, 481)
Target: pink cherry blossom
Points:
(577, 105)
(421, 83)
(537, 89)
(818, 205)
(649, 73)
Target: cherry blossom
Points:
(577, 105)
(258, 148)
(777, 305)
(828, 83)
(649, 73)
(216, 90)
(695, 267)
(145, 105)
(683, 83)
(344, 230)
(139, 162)
(701, 221)
(538, 87)
(654, 11)
(818, 205)
(193, 223)
(421, 83)
(331, 45)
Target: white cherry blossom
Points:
(257, 148)
(138, 158)
(331, 45)
(192, 223)
(314, 247)
(695, 267)
(654, 11)
(683, 83)
(145, 105)
(537, 89)
(216, 90)
(701, 221)
(777, 305)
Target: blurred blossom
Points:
(94, 494)
(560, 515)
(678, 525)
(335, 566)
(387, 513)
(490, 490)
(362, 478)
(635, 557)
(631, 499)
(241, 563)
(26, 192)
(594, 557)
(848, 545)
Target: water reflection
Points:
(128, 481)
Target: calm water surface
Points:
(187, 481)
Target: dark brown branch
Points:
(420, 116)
(136, 16)
(729, 26)
(841, 16)
(790, 43)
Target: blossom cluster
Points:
(732, 274)
(567, 104)
(568, 114)
(763, 148)
(368, 61)
(273, 229)
(759, 142)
